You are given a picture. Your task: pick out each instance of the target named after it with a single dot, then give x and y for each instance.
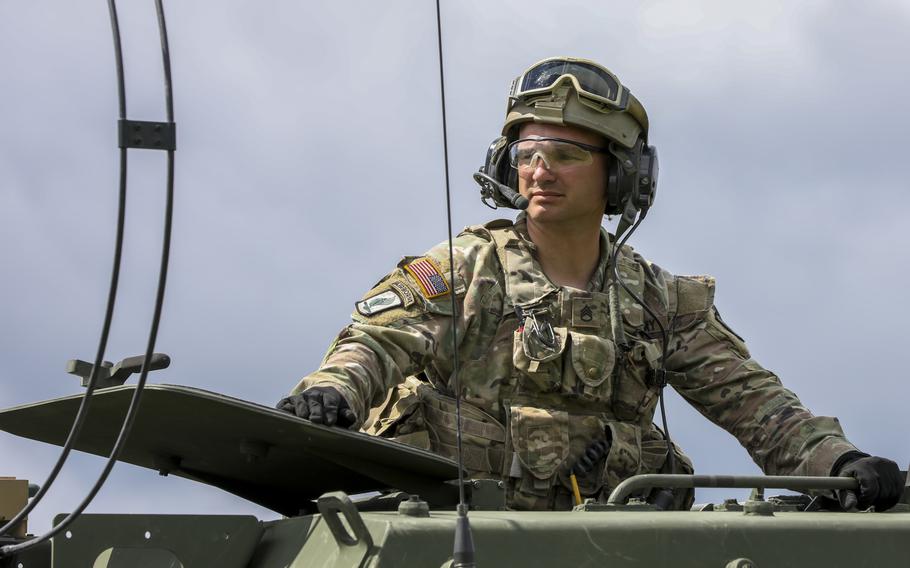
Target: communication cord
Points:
(82, 413)
(665, 339)
(463, 550)
(159, 301)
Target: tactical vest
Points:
(569, 384)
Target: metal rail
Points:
(678, 481)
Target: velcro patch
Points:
(428, 275)
(404, 293)
(587, 312)
(379, 303)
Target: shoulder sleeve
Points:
(403, 325)
(716, 374)
(675, 300)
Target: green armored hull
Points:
(307, 473)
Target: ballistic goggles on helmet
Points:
(526, 154)
(590, 80)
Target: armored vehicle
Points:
(349, 499)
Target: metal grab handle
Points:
(679, 481)
(329, 505)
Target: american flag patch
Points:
(429, 276)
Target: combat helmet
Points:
(581, 93)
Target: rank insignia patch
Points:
(378, 303)
(429, 276)
(587, 312)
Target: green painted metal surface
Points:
(157, 541)
(257, 452)
(621, 537)
(639, 538)
(244, 448)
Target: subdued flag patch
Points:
(432, 283)
(378, 303)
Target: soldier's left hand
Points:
(880, 484)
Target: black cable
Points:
(665, 340)
(153, 332)
(82, 413)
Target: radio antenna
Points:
(144, 135)
(463, 550)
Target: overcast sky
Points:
(310, 160)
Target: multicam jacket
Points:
(543, 375)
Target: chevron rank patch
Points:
(378, 303)
(428, 275)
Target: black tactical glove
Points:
(880, 482)
(320, 405)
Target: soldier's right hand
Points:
(880, 483)
(320, 405)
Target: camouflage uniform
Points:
(533, 406)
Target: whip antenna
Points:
(132, 134)
(82, 413)
(463, 551)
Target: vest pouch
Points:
(483, 436)
(401, 416)
(633, 394)
(593, 359)
(539, 364)
(624, 459)
(540, 446)
(584, 430)
(654, 460)
(540, 438)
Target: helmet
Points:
(581, 93)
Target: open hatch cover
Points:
(259, 453)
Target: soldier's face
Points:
(570, 193)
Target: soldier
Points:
(566, 336)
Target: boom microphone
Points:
(489, 186)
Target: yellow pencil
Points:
(575, 489)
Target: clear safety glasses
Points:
(590, 80)
(526, 154)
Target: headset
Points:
(631, 178)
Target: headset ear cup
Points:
(497, 166)
(647, 176)
(492, 163)
(638, 183)
(505, 173)
(503, 170)
(614, 182)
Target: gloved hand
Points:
(320, 405)
(880, 482)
